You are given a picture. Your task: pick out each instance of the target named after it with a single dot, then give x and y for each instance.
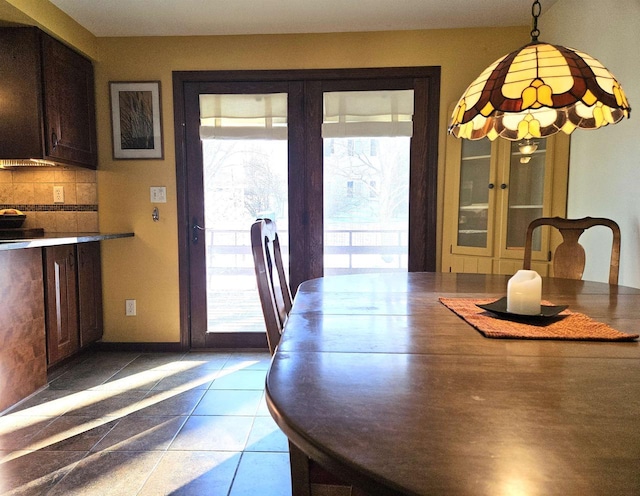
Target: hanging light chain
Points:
(536, 9)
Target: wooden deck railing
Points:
(229, 251)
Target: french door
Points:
(206, 237)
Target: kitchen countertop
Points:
(60, 238)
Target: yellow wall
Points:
(145, 268)
(604, 173)
(51, 19)
(149, 271)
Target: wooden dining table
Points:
(379, 382)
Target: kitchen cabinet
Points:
(61, 302)
(73, 298)
(492, 192)
(33, 314)
(89, 293)
(23, 364)
(48, 109)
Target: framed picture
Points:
(136, 120)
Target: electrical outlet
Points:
(158, 194)
(58, 194)
(130, 308)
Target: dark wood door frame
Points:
(306, 157)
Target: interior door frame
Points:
(306, 147)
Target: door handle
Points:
(195, 228)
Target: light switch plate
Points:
(158, 194)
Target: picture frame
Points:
(136, 120)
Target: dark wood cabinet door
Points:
(48, 100)
(20, 86)
(89, 293)
(61, 302)
(69, 105)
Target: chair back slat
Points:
(273, 289)
(276, 301)
(569, 258)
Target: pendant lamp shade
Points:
(537, 91)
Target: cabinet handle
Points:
(503, 186)
(54, 139)
(491, 185)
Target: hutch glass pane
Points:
(473, 205)
(526, 194)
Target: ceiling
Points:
(106, 18)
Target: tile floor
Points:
(147, 424)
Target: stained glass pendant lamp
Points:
(538, 90)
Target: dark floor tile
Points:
(47, 402)
(193, 473)
(249, 361)
(266, 436)
(34, 473)
(16, 432)
(112, 473)
(169, 403)
(154, 361)
(228, 402)
(81, 379)
(95, 369)
(266, 474)
(147, 424)
(206, 359)
(195, 377)
(216, 433)
(141, 434)
(263, 409)
(72, 433)
(106, 403)
(108, 360)
(240, 379)
(133, 380)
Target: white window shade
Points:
(368, 113)
(251, 116)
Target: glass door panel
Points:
(243, 180)
(473, 203)
(526, 194)
(366, 181)
(366, 205)
(244, 168)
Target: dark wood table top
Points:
(381, 383)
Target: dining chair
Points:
(569, 257)
(276, 302)
(273, 288)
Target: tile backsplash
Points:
(31, 191)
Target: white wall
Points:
(604, 178)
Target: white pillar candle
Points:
(524, 292)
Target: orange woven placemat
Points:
(568, 324)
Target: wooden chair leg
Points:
(358, 492)
(299, 471)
